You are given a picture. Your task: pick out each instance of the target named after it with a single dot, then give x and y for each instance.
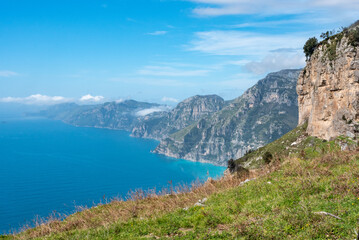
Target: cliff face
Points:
(261, 115)
(187, 112)
(328, 89)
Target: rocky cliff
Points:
(187, 112)
(261, 115)
(328, 88)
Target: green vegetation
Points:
(331, 44)
(280, 148)
(310, 46)
(332, 50)
(267, 157)
(331, 40)
(295, 143)
(354, 37)
(231, 165)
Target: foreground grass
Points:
(282, 204)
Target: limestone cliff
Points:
(261, 115)
(328, 88)
(161, 125)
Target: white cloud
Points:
(212, 8)
(36, 99)
(169, 99)
(6, 73)
(147, 111)
(243, 43)
(276, 61)
(90, 98)
(171, 72)
(153, 81)
(119, 100)
(157, 33)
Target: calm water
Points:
(48, 166)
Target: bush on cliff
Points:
(354, 37)
(310, 46)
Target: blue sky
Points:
(153, 50)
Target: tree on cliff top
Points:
(310, 46)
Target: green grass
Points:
(281, 147)
(294, 143)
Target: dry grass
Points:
(139, 204)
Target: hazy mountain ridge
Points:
(114, 115)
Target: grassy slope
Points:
(281, 203)
(295, 142)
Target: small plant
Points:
(267, 157)
(231, 165)
(354, 37)
(302, 154)
(332, 50)
(310, 46)
(248, 152)
(327, 34)
(242, 172)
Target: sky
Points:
(163, 51)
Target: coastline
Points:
(154, 139)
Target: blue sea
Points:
(48, 166)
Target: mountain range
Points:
(200, 128)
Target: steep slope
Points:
(261, 115)
(304, 196)
(187, 112)
(114, 115)
(328, 87)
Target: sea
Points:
(48, 167)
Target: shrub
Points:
(327, 34)
(310, 46)
(248, 152)
(332, 51)
(354, 37)
(231, 165)
(267, 157)
(242, 172)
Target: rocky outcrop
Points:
(328, 89)
(161, 125)
(261, 115)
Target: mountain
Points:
(187, 112)
(262, 114)
(328, 87)
(200, 128)
(114, 115)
